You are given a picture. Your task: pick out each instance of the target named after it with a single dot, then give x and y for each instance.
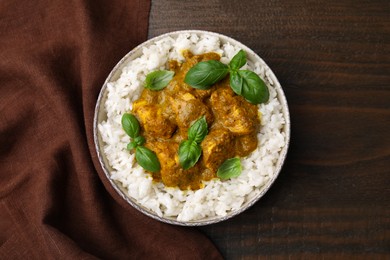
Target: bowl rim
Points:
(104, 163)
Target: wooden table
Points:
(332, 198)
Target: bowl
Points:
(125, 192)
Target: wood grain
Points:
(332, 199)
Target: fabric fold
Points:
(55, 57)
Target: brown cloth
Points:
(55, 56)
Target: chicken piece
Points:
(150, 96)
(217, 147)
(166, 152)
(238, 121)
(235, 113)
(188, 109)
(245, 144)
(193, 59)
(174, 65)
(202, 94)
(171, 173)
(152, 119)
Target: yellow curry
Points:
(166, 115)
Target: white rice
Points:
(217, 198)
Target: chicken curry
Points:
(166, 115)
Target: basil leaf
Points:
(238, 60)
(147, 159)
(206, 73)
(139, 140)
(229, 169)
(130, 124)
(158, 80)
(253, 88)
(198, 130)
(131, 145)
(236, 82)
(189, 153)
(190, 150)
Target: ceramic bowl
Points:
(101, 115)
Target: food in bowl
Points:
(186, 133)
(205, 198)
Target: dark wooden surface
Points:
(332, 199)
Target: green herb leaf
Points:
(229, 169)
(198, 130)
(238, 60)
(158, 80)
(131, 125)
(236, 82)
(190, 150)
(147, 159)
(189, 153)
(206, 73)
(132, 145)
(139, 140)
(253, 88)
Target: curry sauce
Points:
(166, 115)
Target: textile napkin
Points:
(55, 200)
